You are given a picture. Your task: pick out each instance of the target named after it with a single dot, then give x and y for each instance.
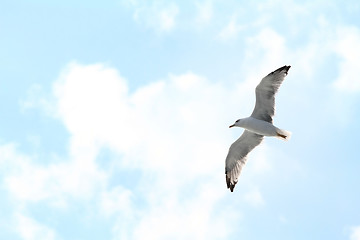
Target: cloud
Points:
(159, 15)
(205, 11)
(260, 164)
(348, 48)
(29, 182)
(192, 218)
(355, 233)
(270, 42)
(117, 200)
(33, 100)
(167, 142)
(231, 30)
(29, 229)
(170, 130)
(254, 198)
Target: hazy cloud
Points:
(355, 233)
(205, 11)
(348, 48)
(171, 131)
(231, 30)
(159, 15)
(254, 198)
(29, 229)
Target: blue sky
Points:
(115, 119)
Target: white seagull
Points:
(258, 125)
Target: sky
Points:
(115, 114)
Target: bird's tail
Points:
(283, 134)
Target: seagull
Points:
(258, 125)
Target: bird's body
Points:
(258, 125)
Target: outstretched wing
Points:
(265, 94)
(236, 157)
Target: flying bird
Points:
(258, 125)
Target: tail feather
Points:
(283, 134)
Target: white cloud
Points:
(259, 163)
(29, 229)
(104, 113)
(348, 48)
(271, 44)
(173, 132)
(355, 233)
(190, 218)
(115, 201)
(34, 101)
(254, 198)
(30, 182)
(231, 30)
(205, 11)
(159, 15)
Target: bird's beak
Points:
(231, 126)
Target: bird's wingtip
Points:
(229, 184)
(284, 68)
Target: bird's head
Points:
(236, 124)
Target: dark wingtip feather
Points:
(286, 68)
(229, 184)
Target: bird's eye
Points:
(237, 120)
